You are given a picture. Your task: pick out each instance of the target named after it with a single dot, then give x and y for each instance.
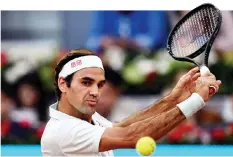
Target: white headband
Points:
(80, 63)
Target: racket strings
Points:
(194, 32)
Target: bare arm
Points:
(182, 91)
(155, 126)
(158, 107)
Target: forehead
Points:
(94, 73)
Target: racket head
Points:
(198, 30)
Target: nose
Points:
(94, 91)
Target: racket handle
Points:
(205, 70)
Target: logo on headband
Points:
(76, 63)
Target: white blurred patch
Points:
(115, 57)
(19, 69)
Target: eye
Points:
(86, 83)
(100, 85)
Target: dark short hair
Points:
(71, 55)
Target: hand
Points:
(203, 83)
(185, 86)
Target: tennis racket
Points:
(194, 34)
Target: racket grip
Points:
(205, 70)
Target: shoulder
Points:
(56, 130)
(82, 137)
(97, 118)
(70, 136)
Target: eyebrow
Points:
(92, 80)
(88, 79)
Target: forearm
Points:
(158, 107)
(159, 125)
(156, 126)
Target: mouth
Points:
(92, 103)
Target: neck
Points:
(65, 107)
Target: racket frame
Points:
(206, 47)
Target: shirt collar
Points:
(54, 113)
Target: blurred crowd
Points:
(139, 71)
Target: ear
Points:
(62, 84)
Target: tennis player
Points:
(76, 129)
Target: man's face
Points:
(85, 89)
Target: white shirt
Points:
(65, 135)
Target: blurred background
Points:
(139, 71)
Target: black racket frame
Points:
(206, 47)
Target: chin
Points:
(90, 111)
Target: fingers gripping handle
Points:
(205, 70)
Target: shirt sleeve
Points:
(82, 139)
(102, 121)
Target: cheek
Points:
(76, 92)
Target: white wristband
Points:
(191, 105)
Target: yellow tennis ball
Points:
(146, 146)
